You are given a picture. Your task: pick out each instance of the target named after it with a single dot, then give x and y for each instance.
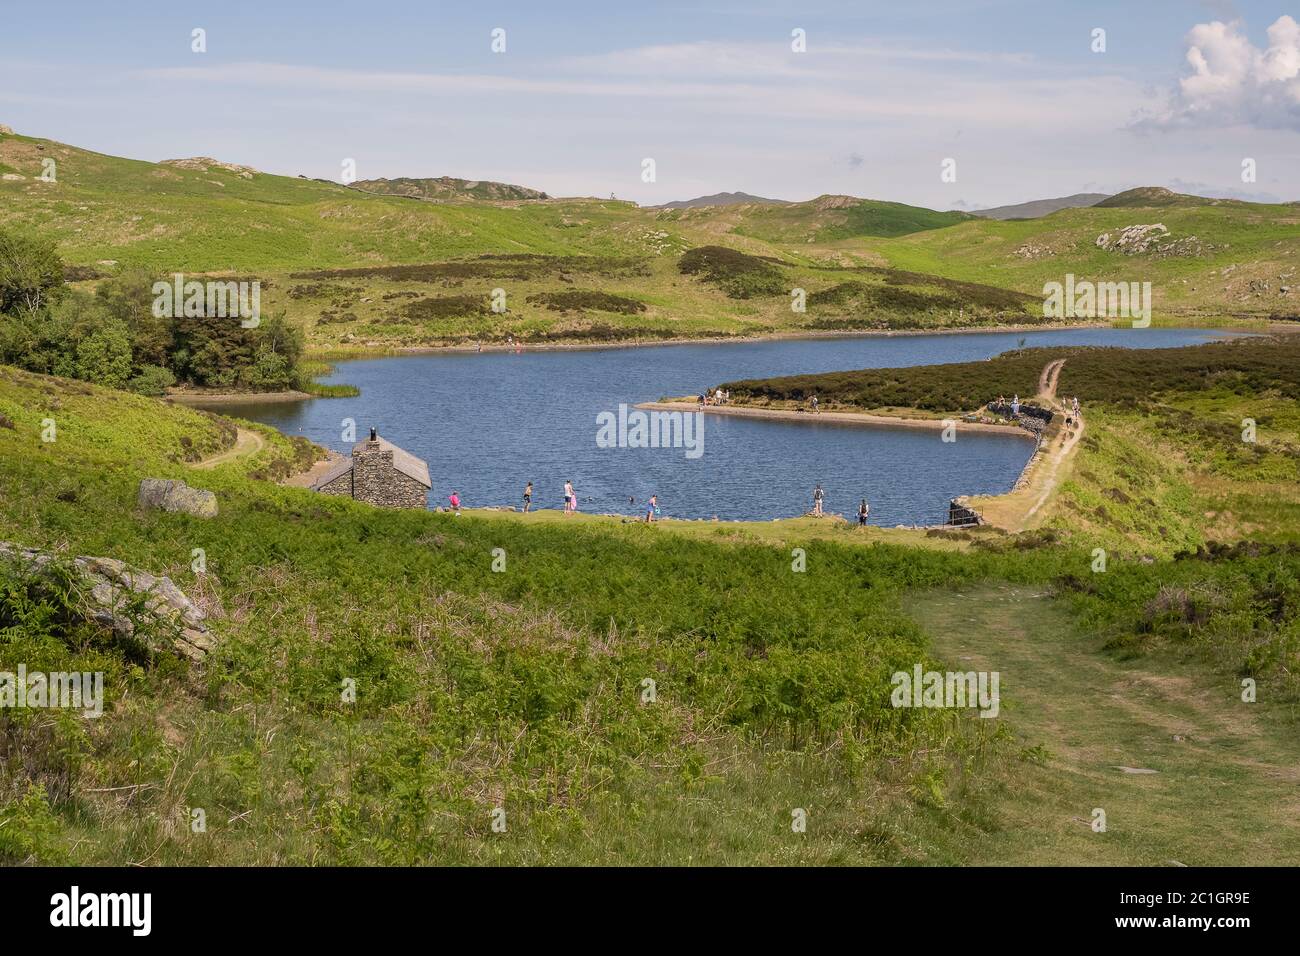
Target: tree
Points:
(31, 273)
(104, 356)
(129, 299)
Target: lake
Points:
(489, 422)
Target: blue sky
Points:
(584, 92)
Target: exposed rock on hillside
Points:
(1150, 239)
(447, 188)
(135, 604)
(173, 495)
(203, 163)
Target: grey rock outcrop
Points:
(125, 598)
(174, 495)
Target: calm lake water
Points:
(489, 422)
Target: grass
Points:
(346, 264)
(522, 690)
(1082, 711)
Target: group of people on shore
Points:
(718, 396)
(571, 502)
(819, 504)
(570, 499)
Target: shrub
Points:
(575, 300)
(740, 275)
(153, 380)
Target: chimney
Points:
(374, 440)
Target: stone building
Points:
(379, 473)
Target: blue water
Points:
(489, 422)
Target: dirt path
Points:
(248, 443)
(1225, 788)
(1048, 379)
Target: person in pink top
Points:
(454, 498)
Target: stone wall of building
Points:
(375, 481)
(342, 486)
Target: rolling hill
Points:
(1041, 207)
(448, 189)
(721, 199)
(864, 264)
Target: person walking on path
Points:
(528, 496)
(863, 510)
(818, 496)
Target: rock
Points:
(12, 177)
(176, 624)
(176, 496)
(6, 131)
(1136, 770)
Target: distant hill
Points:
(445, 188)
(1150, 196)
(837, 218)
(1041, 207)
(721, 199)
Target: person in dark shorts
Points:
(528, 496)
(863, 510)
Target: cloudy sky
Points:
(1013, 90)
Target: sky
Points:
(1024, 97)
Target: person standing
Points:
(1015, 407)
(863, 510)
(570, 502)
(528, 496)
(814, 404)
(652, 509)
(818, 497)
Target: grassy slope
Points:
(478, 689)
(1261, 241)
(164, 218)
(1222, 766)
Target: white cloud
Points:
(1234, 83)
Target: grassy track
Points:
(1225, 790)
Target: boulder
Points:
(174, 495)
(111, 597)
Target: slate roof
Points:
(403, 461)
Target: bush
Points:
(31, 272)
(153, 380)
(104, 356)
(740, 275)
(576, 300)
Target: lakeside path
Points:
(247, 443)
(843, 418)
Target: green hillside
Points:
(1219, 258)
(528, 691)
(326, 253)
